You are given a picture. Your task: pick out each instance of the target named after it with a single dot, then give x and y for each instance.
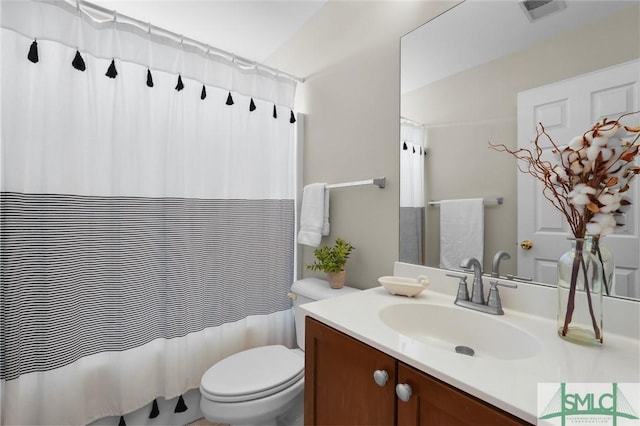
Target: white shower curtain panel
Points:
(412, 136)
(146, 232)
(412, 145)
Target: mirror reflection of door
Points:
(567, 109)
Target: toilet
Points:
(264, 385)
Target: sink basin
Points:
(454, 328)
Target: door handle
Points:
(526, 245)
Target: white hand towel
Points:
(461, 231)
(314, 214)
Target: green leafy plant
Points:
(332, 259)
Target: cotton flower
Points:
(601, 224)
(580, 194)
(577, 143)
(600, 141)
(558, 175)
(592, 152)
(607, 130)
(606, 153)
(610, 202)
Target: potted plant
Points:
(332, 260)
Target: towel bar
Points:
(380, 182)
(487, 202)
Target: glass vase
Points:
(605, 257)
(580, 294)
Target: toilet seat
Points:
(252, 374)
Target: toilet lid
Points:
(251, 374)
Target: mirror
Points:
(460, 76)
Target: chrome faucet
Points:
(493, 305)
(495, 271)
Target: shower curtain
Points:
(148, 213)
(412, 151)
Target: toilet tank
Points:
(311, 290)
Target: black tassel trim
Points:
(78, 62)
(252, 105)
(275, 112)
(181, 407)
(292, 118)
(229, 99)
(33, 52)
(149, 78)
(112, 72)
(203, 93)
(179, 86)
(122, 422)
(154, 410)
(404, 146)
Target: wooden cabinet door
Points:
(339, 382)
(433, 402)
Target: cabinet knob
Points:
(403, 391)
(381, 377)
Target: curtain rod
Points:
(487, 202)
(380, 182)
(238, 60)
(410, 121)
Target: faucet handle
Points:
(463, 292)
(513, 277)
(494, 296)
(461, 276)
(495, 284)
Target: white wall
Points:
(349, 54)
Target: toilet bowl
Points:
(264, 385)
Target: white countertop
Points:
(508, 384)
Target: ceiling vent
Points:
(536, 9)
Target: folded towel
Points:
(461, 231)
(314, 215)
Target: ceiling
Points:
(255, 29)
(252, 29)
(478, 31)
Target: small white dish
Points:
(402, 286)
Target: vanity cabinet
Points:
(341, 388)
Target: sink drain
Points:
(465, 350)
